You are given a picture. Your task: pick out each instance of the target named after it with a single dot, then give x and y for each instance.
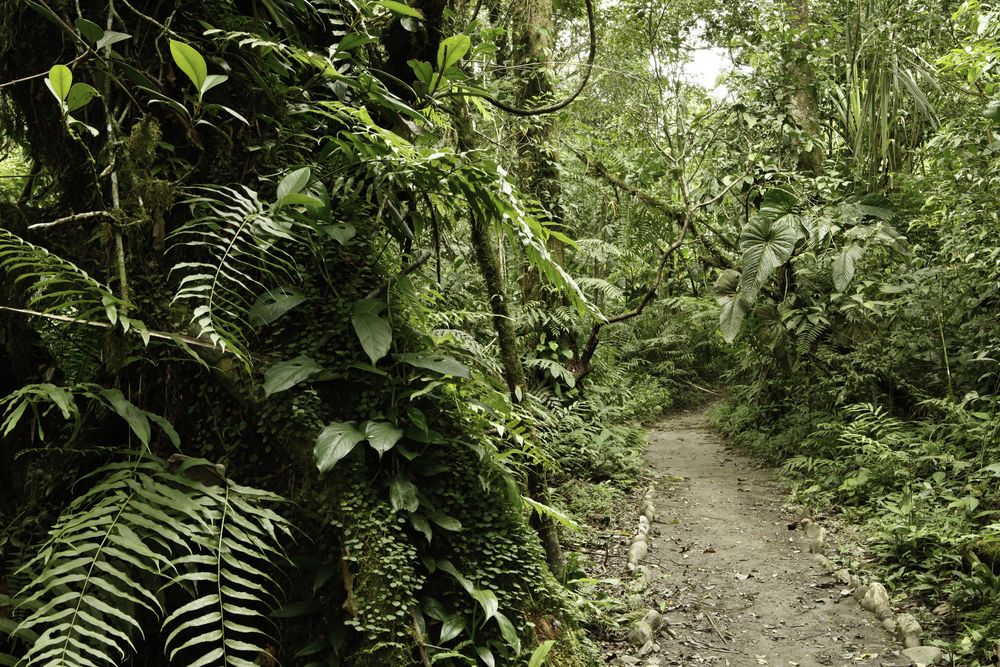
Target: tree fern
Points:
(122, 554)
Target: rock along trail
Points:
(735, 584)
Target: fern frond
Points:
(600, 286)
(99, 578)
(56, 286)
(241, 237)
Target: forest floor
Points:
(732, 575)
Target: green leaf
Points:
(90, 30)
(446, 522)
(382, 436)
(294, 182)
(273, 305)
(190, 62)
(403, 494)
(211, 81)
(439, 363)
(446, 566)
(486, 655)
(992, 111)
(373, 331)
(421, 523)
(300, 199)
(508, 632)
(341, 232)
(137, 419)
(110, 38)
(59, 82)
(727, 285)
(286, 374)
(335, 442)
(399, 8)
(451, 50)
(79, 95)
(540, 653)
(422, 70)
(452, 627)
(766, 245)
(843, 266)
(488, 601)
(731, 316)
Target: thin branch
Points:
(595, 329)
(76, 217)
(162, 335)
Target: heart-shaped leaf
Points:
(403, 494)
(335, 442)
(382, 436)
(372, 329)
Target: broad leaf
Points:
(372, 329)
(403, 494)
(727, 285)
(294, 182)
(451, 50)
(190, 62)
(110, 38)
(731, 316)
(273, 305)
(286, 374)
(382, 436)
(90, 30)
(79, 95)
(452, 627)
(439, 363)
(508, 632)
(843, 266)
(59, 82)
(488, 601)
(335, 442)
(540, 653)
(211, 81)
(341, 232)
(766, 245)
(400, 8)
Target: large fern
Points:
(154, 543)
(238, 239)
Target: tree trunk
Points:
(804, 105)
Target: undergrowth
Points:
(923, 491)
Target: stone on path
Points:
(924, 656)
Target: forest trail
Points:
(738, 587)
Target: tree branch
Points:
(595, 330)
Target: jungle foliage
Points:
(325, 325)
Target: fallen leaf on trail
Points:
(709, 550)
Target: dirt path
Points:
(736, 584)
